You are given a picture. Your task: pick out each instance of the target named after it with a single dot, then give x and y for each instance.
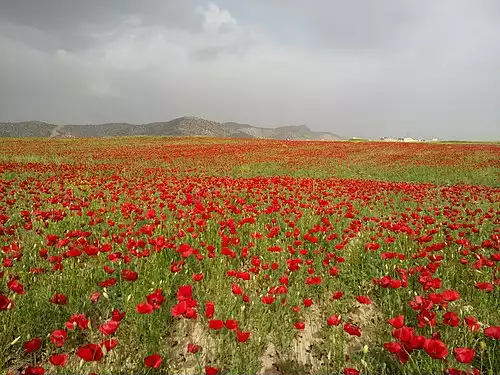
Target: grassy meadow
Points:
(223, 256)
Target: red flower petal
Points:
(90, 352)
(397, 321)
(334, 320)
(215, 324)
(153, 361)
(144, 308)
(464, 355)
(209, 370)
(493, 332)
(242, 336)
(109, 327)
(58, 359)
(33, 345)
(58, 337)
(435, 348)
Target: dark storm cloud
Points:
(70, 23)
(359, 67)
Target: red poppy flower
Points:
(454, 371)
(300, 325)
(236, 289)
(338, 295)
(107, 283)
(393, 347)
(352, 329)
(109, 344)
(193, 348)
(464, 355)
(334, 271)
(58, 337)
(351, 371)
(268, 299)
(15, 286)
(284, 280)
(94, 297)
(129, 275)
(5, 303)
(90, 352)
(450, 295)
(363, 300)
(209, 309)
(197, 277)
(77, 320)
(487, 287)
(156, 299)
(334, 320)
(191, 313)
(403, 334)
(109, 327)
(30, 370)
(307, 302)
(436, 298)
(33, 345)
(215, 324)
(471, 323)
(59, 359)
(451, 319)
(313, 280)
(395, 284)
(179, 309)
(493, 332)
(59, 299)
(144, 308)
(185, 292)
(209, 370)
(117, 316)
(231, 324)
(435, 348)
(417, 342)
(242, 336)
(426, 317)
(397, 321)
(153, 361)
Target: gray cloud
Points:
(359, 68)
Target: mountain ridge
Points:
(181, 126)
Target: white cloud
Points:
(216, 19)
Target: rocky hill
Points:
(183, 126)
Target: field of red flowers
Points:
(202, 256)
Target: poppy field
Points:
(220, 256)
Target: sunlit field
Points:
(202, 256)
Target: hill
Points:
(183, 126)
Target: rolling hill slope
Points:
(183, 126)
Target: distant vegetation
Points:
(183, 126)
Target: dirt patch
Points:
(368, 318)
(306, 339)
(302, 357)
(186, 332)
(268, 360)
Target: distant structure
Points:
(406, 139)
(388, 139)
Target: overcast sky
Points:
(367, 68)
